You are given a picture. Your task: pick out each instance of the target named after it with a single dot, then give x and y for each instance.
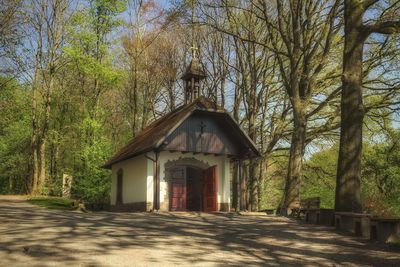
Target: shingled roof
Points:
(152, 137)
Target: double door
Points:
(181, 192)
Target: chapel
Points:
(182, 161)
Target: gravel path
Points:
(34, 236)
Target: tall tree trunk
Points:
(236, 103)
(34, 138)
(348, 179)
(260, 181)
(171, 95)
(135, 100)
(42, 173)
(53, 167)
(252, 170)
(293, 178)
(222, 91)
(253, 108)
(44, 130)
(235, 183)
(35, 170)
(242, 185)
(246, 182)
(253, 195)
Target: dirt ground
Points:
(34, 236)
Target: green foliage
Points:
(15, 136)
(92, 183)
(320, 177)
(54, 203)
(89, 46)
(381, 176)
(274, 182)
(272, 193)
(89, 57)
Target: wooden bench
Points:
(311, 215)
(356, 223)
(382, 229)
(320, 216)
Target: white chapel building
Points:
(183, 160)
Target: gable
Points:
(205, 132)
(221, 134)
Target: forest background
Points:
(78, 79)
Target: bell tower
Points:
(194, 73)
(192, 78)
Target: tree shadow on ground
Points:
(32, 236)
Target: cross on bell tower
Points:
(194, 73)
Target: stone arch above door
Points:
(190, 162)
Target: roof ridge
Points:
(150, 137)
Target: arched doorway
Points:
(192, 185)
(193, 189)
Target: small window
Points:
(120, 176)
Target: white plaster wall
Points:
(223, 172)
(149, 187)
(135, 180)
(138, 176)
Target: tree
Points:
(93, 79)
(302, 44)
(257, 104)
(150, 55)
(47, 19)
(10, 34)
(348, 181)
(301, 50)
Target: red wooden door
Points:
(177, 189)
(210, 189)
(178, 196)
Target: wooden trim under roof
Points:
(153, 136)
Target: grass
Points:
(54, 203)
